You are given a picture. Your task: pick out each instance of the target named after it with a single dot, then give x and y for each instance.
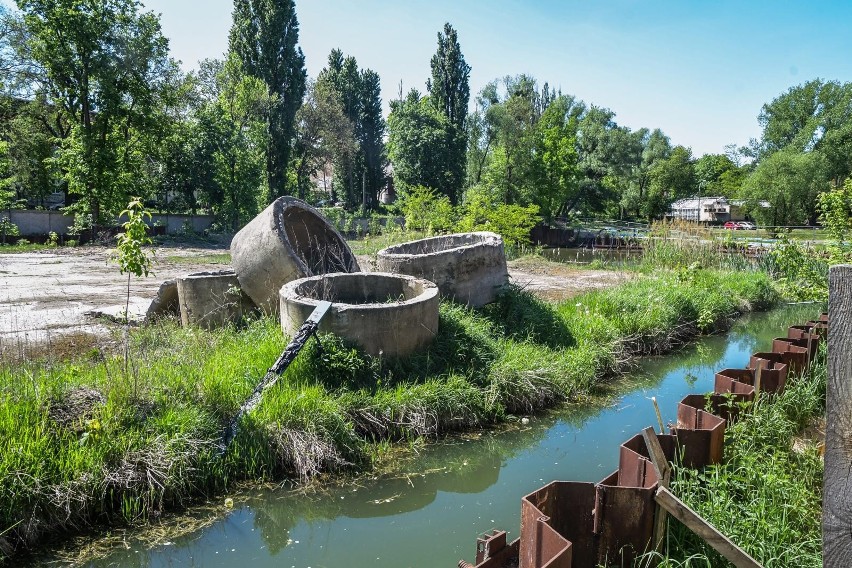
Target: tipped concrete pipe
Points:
(288, 240)
(212, 299)
(469, 268)
(384, 314)
(165, 303)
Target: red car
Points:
(732, 225)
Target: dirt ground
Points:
(56, 295)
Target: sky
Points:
(698, 70)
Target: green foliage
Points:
(449, 91)
(425, 210)
(835, 208)
(359, 175)
(791, 182)
(107, 68)
(8, 228)
(801, 272)
(512, 222)
(264, 38)
(230, 120)
(131, 256)
(417, 145)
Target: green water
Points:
(429, 513)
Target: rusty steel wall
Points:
(570, 524)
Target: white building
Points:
(709, 209)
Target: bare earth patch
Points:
(49, 297)
(46, 296)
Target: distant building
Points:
(709, 209)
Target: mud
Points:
(77, 293)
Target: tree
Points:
(608, 155)
(716, 174)
(106, 66)
(416, 143)
(655, 147)
(671, 178)
(449, 91)
(358, 177)
(323, 133)
(791, 182)
(264, 36)
(230, 121)
(554, 175)
(371, 133)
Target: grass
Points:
(84, 444)
(767, 495)
(207, 258)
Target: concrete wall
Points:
(32, 223)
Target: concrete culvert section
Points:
(469, 268)
(288, 240)
(388, 314)
(212, 299)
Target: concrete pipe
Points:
(212, 299)
(469, 268)
(384, 314)
(288, 240)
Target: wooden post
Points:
(837, 481)
(757, 376)
(664, 473)
(711, 535)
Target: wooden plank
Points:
(658, 457)
(711, 535)
(837, 480)
(664, 471)
(297, 342)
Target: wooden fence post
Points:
(837, 483)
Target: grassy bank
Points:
(767, 495)
(88, 442)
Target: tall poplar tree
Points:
(264, 35)
(358, 177)
(449, 91)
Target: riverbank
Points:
(88, 442)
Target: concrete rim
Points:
(291, 292)
(476, 238)
(279, 220)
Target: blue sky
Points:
(698, 70)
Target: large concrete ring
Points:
(211, 299)
(469, 268)
(384, 314)
(288, 240)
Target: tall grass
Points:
(82, 443)
(767, 495)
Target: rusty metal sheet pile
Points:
(569, 524)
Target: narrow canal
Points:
(430, 511)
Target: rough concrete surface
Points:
(288, 240)
(211, 299)
(467, 267)
(385, 314)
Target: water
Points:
(589, 255)
(429, 513)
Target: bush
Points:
(512, 222)
(426, 210)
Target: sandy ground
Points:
(47, 295)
